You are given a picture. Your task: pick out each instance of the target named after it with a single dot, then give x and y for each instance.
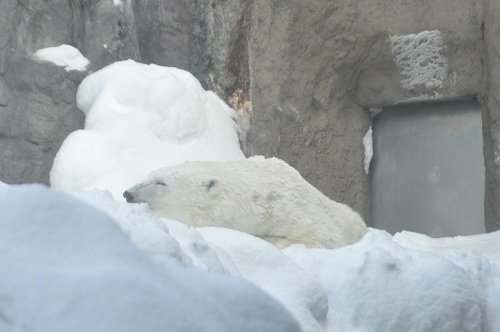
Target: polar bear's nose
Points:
(128, 196)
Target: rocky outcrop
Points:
(37, 103)
(302, 74)
(37, 108)
(491, 114)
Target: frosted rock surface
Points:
(420, 59)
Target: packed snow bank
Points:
(68, 267)
(460, 250)
(140, 118)
(65, 56)
(267, 267)
(377, 285)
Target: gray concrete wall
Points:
(490, 98)
(428, 169)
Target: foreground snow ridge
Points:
(70, 268)
(140, 118)
(65, 56)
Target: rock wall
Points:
(302, 74)
(37, 100)
(318, 66)
(490, 98)
(37, 108)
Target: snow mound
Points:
(420, 59)
(70, 268)
(140, 118)
(377, 285)
(65, 56)
(267, 267)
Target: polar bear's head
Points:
(195, 193)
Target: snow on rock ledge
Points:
(140, 118)
(70, 268)
(63, 56)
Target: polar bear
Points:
(263, 197)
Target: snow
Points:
(368, 147)
(420, 59)
(140, 118)
(68, 267)
(455, 249)
(65, 56)
(378, 285)
(267, 267)
(118, 3)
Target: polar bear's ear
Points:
(210, 184)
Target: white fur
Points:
(263, 197)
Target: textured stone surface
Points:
(491, 114)
(458, 22)
(37, 106)
(316, 64)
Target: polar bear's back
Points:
(334, 224)
(297, 211)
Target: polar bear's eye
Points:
(210, 184)
(160, 183)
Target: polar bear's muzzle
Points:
(129, 197)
